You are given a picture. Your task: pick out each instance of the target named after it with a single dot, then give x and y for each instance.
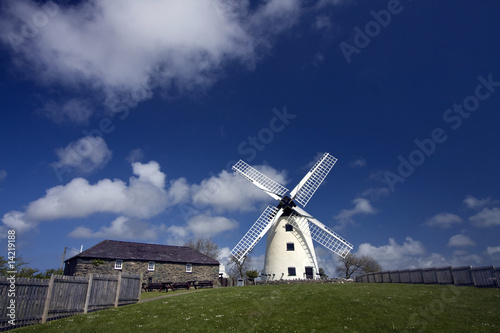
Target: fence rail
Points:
(37, 301)
(483, 277)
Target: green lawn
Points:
(153, 294)
(301, 308)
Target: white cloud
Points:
(84, 155)
(135, 155)
(177, 235)
(393, 255)
(488, 217)
(376, 193)
(357, 163)
(16, 220)
(179, 192)
(209, 226)
(460, 241)
(323, 22)
(443, 220)
(225, 256)
(312, 162)
(124, 50)
(412, 254)
(144, 197)
(475, 203)
(72, 110)
(362, 206)
(148, 173)
(322, 3)
(121, 228)
(203, 225)
(327, 260)
(493, 250)
(232, 192)
(3, 174)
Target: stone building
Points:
(155, 263)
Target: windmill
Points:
(290, 229)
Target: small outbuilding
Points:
(153, 262)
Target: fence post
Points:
(89, 291)
(140, 288)
(118, 287)
(46, 306)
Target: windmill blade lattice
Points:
(298, 221)
(329, 238)
(256, 232)
(274, 189)
(303, 192)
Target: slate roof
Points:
(110, 249)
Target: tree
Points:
(252, 275)
(205, 246)
(350, 265)
(322, 274)
(20, 266)
(238, 269)
(369, 265)
(23, 270)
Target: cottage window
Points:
(151, 266)
(118, 264)
(291, 271)
(288, 227)
(189, 268)
(290, 247)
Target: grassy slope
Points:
(154, 294)
(301, 308)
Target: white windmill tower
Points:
(289, 249)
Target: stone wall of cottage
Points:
(163, 271)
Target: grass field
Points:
(300, 308)
(154, 294)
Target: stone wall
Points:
(163, 272)
(302, 281)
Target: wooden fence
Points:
(37, 301)
(483, 277)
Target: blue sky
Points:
(121, 121)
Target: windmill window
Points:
(288, 227)
(189, 268)
(151, 266)
(290, 246)
(291, 271)
(119, 264)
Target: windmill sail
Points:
(274, 189)
(256, 232)
(320, 232)
(329, 238)
(310, 228)
(303, 192)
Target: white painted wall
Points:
(278, 259)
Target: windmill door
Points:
(309, 273)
